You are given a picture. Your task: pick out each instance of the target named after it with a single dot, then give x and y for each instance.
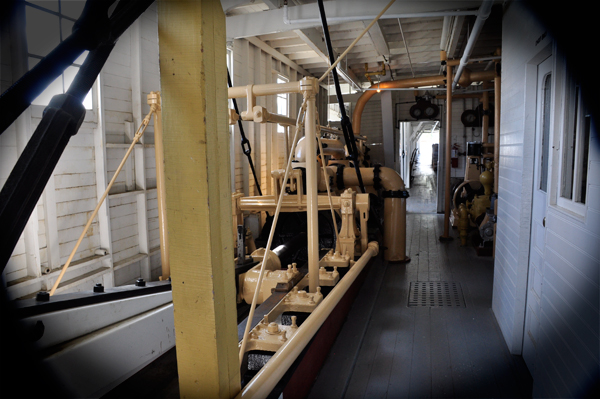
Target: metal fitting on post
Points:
(309, 85)
(99, 288)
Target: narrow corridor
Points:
(388, 349)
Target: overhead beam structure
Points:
(314, 40)
(272, 21)
(277, 55)
(378, 39)
(193, 78)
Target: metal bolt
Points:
(140, 282)
(294, 325)
(42, 296)
(283, 337)
(273, 328)
(99, 288)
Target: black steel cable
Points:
(346, 125)
(62, 118)
(246, 149)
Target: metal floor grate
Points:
(435, 294)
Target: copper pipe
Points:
(446, 235)
(467, 78)
(485, 123)
(405, 83)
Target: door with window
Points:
(538, 212)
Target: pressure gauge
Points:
(416, 111)
(431, 111)
(469, 118)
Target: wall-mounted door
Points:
(538, 213)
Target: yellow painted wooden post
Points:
(196, 144)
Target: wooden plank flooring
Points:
(388, 350)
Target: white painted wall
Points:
(372, 127)
(568, 347)
(252, 65)
(128, 228)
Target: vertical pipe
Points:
(496, 126)
(311, 193)
(161, 191)
(446, 235)
(485, 123)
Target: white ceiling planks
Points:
(304, 45)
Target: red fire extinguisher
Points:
(454, 155)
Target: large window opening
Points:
(282, 103)
(47, 24)
(575, 149)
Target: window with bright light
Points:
(575, 150)
(47, 24)
(345, 88)
(282, 103)
(333, 112)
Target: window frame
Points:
(280, 78)
(37, 109)
(568, 102)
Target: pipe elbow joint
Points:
(391, 180)
(465, 78)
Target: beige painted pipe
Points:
(446, 234)
(265, 380)
(161, 191)
(394, 229)
(335, 148)
(312, 221)
(264, 89)
(467, 78)
(394, 209)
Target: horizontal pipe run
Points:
(263, 383)
(475, 60)
(482, 16)
(467, 78)
(290, 203)
(265, 89)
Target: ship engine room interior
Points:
(299, 199)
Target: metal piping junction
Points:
(482, 16)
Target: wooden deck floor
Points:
(389, 350)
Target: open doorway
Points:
(423, 168)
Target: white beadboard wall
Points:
(567, 352)
(371, 127)
(129, 75)
(252, 65)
